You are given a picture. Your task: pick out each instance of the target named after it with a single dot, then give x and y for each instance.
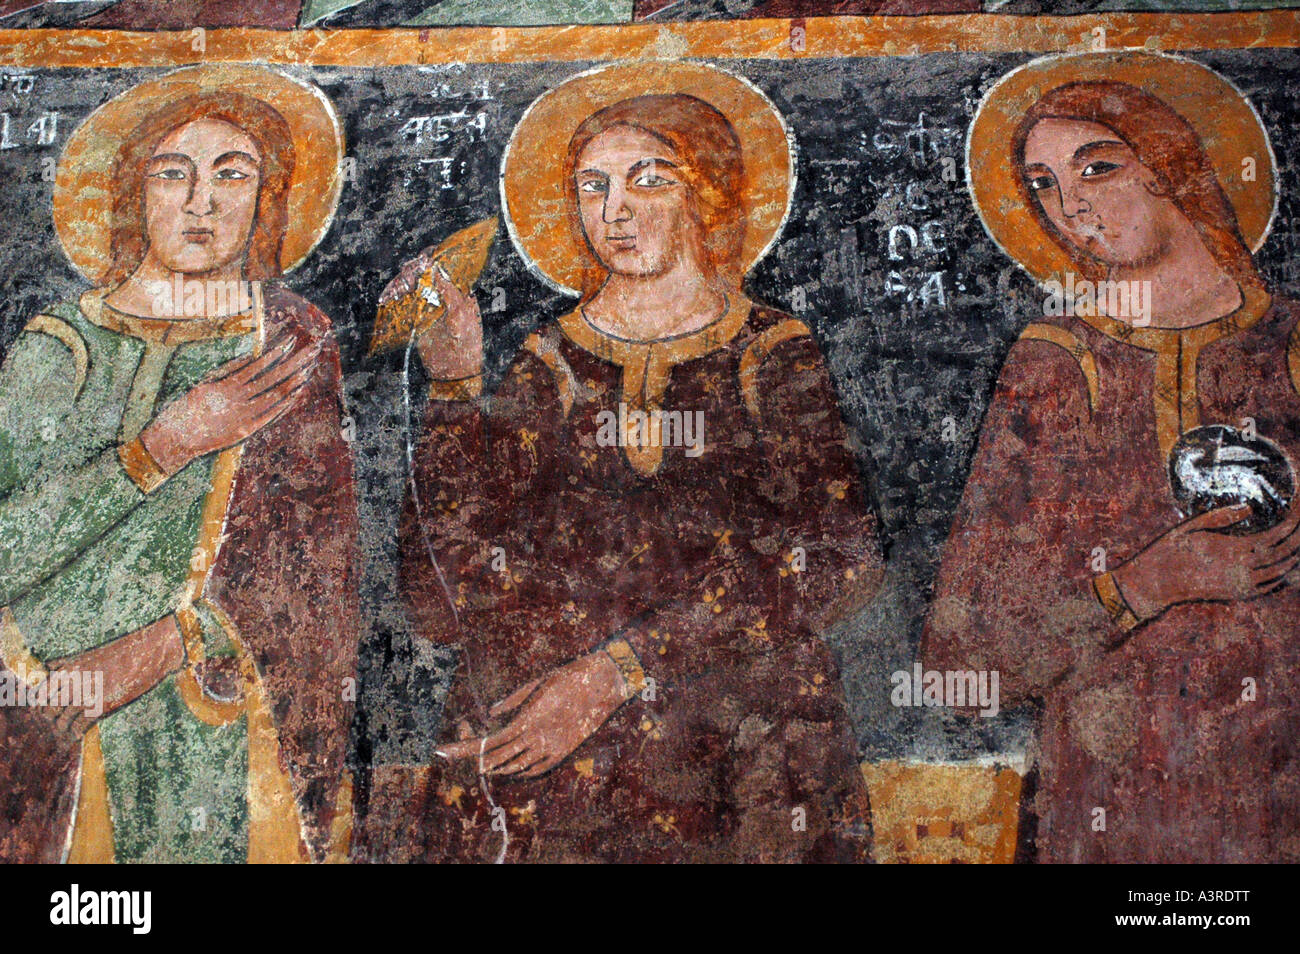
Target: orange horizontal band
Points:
(716, 39)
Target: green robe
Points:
(87, 557)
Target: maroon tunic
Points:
(1149, 722)
(716, 568)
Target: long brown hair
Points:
(266, 127)
(712, 165)
(1166, 144)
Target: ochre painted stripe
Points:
(738, 39)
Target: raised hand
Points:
(230, 405)
(452, 347)
(1196, 561)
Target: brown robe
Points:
(286, 576)
(1146, 722)
(550, 543)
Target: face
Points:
(637, 211)
(1096, 191)
(200, 196)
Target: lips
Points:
(621, 241)
(198, 235)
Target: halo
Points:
(83, 186)
(532, 190)
(1221, 115)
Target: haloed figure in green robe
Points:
(123, 418)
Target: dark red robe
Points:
(550, 544)
(1152, 723)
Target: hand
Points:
(230, 405)
(555, 716)
(408, 277)
(1193, 562)
(68, 722)
(220, 677)
(452, 347)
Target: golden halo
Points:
(1226, 122)
(83, 187)
(532, 190)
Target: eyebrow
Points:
(171, 157)
(235, 154)
(636, 167)
(1091, 147)
(651, 161)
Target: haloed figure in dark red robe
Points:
(638, 610)
(1157, 624)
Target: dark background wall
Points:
(872, 135)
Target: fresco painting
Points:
(644, 433)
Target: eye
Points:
(651, 180)
(1098, 168)
(171, 174)
(231, 174)
(593, 186)
(1039, 183)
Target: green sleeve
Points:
(49, 513)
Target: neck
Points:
(152, 289)
(645, 308)
(1187, 286)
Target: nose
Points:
(1073, 204)
(200, 201)
(615, 208)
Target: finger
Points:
(284, 390)
(540, 767)
(248, 367)
(266, 380)
(464, 730)
(1274, 587)
(464, 749)
(515, 699)
(457, 300)
(265, 412)
(69, 722)
(1268, 575)
(514, 735)
(519, 763)
(399, 287)
(1272, 558)
(504, 755)
(407, 277)
(231, 368)
(1219, 518)
(1284, 533)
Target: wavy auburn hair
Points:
(267, 128)
(1166, 144)
(711, 165)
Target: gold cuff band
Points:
(461, 389)
(140, 466)
(624, 656)
(1112, 600)
(191, 635)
